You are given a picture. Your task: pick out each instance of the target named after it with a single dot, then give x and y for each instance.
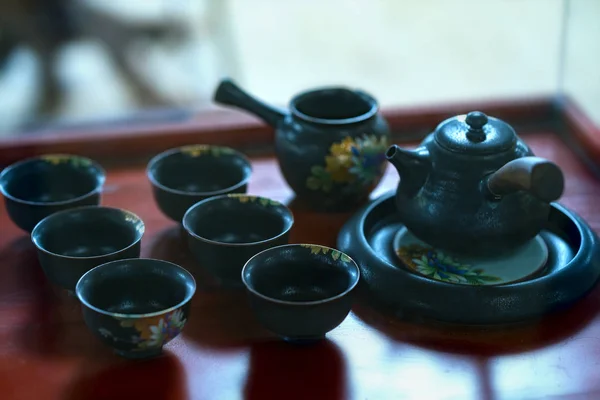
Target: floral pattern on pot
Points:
(153, 332)
(335, 254)
(437, 265)
(354, 163)
(197, 150)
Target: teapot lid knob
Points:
(475, 134)
(476, 121)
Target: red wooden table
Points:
(46, 352)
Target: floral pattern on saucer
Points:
(437, 265)
(512, 266)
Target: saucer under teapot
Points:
(519, 264)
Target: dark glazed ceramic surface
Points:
(225, 231)
(474, 187)
(136, 306)
(572, 270)
(37, 187)
(330, 144)
(300, 291)
(71, 242)
(183, 176)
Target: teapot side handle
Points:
(229, 93)
(539, 177)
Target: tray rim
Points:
(585, 260)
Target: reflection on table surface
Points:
(47, 352)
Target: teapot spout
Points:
(413, 166)
(541, 178)
(229, 93)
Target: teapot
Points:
(474, 187)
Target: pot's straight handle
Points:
(538, 176)
(228, 93)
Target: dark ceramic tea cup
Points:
(300, 292)
(183, 176)
(136, 306)
(225, 231)
(71, 242)
(40, 186)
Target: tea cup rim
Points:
(189, 230)
(58, 214)
(167, 310)
(175, 150)
(300, 303)
(100, 179)
(373, 106)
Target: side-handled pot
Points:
(330, 143)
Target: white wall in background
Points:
(582, 61)
(406, 52)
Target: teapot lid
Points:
(475, 133)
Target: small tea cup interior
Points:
(51, 179)
(334, 104)
(135, 286)
(88, 231)
(239, 219)
(291, 273)
(200, 169)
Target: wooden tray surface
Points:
(46, 352)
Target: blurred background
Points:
(93, 60)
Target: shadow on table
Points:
(480, 341)
(220, 317)
(46, 320)
(315, 227)
(170, 244)
(278, 370)
(21, 275)
(223, 320)
(55, 327)
(158, 378)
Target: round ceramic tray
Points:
(571, 270)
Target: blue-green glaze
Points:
(330, 143)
